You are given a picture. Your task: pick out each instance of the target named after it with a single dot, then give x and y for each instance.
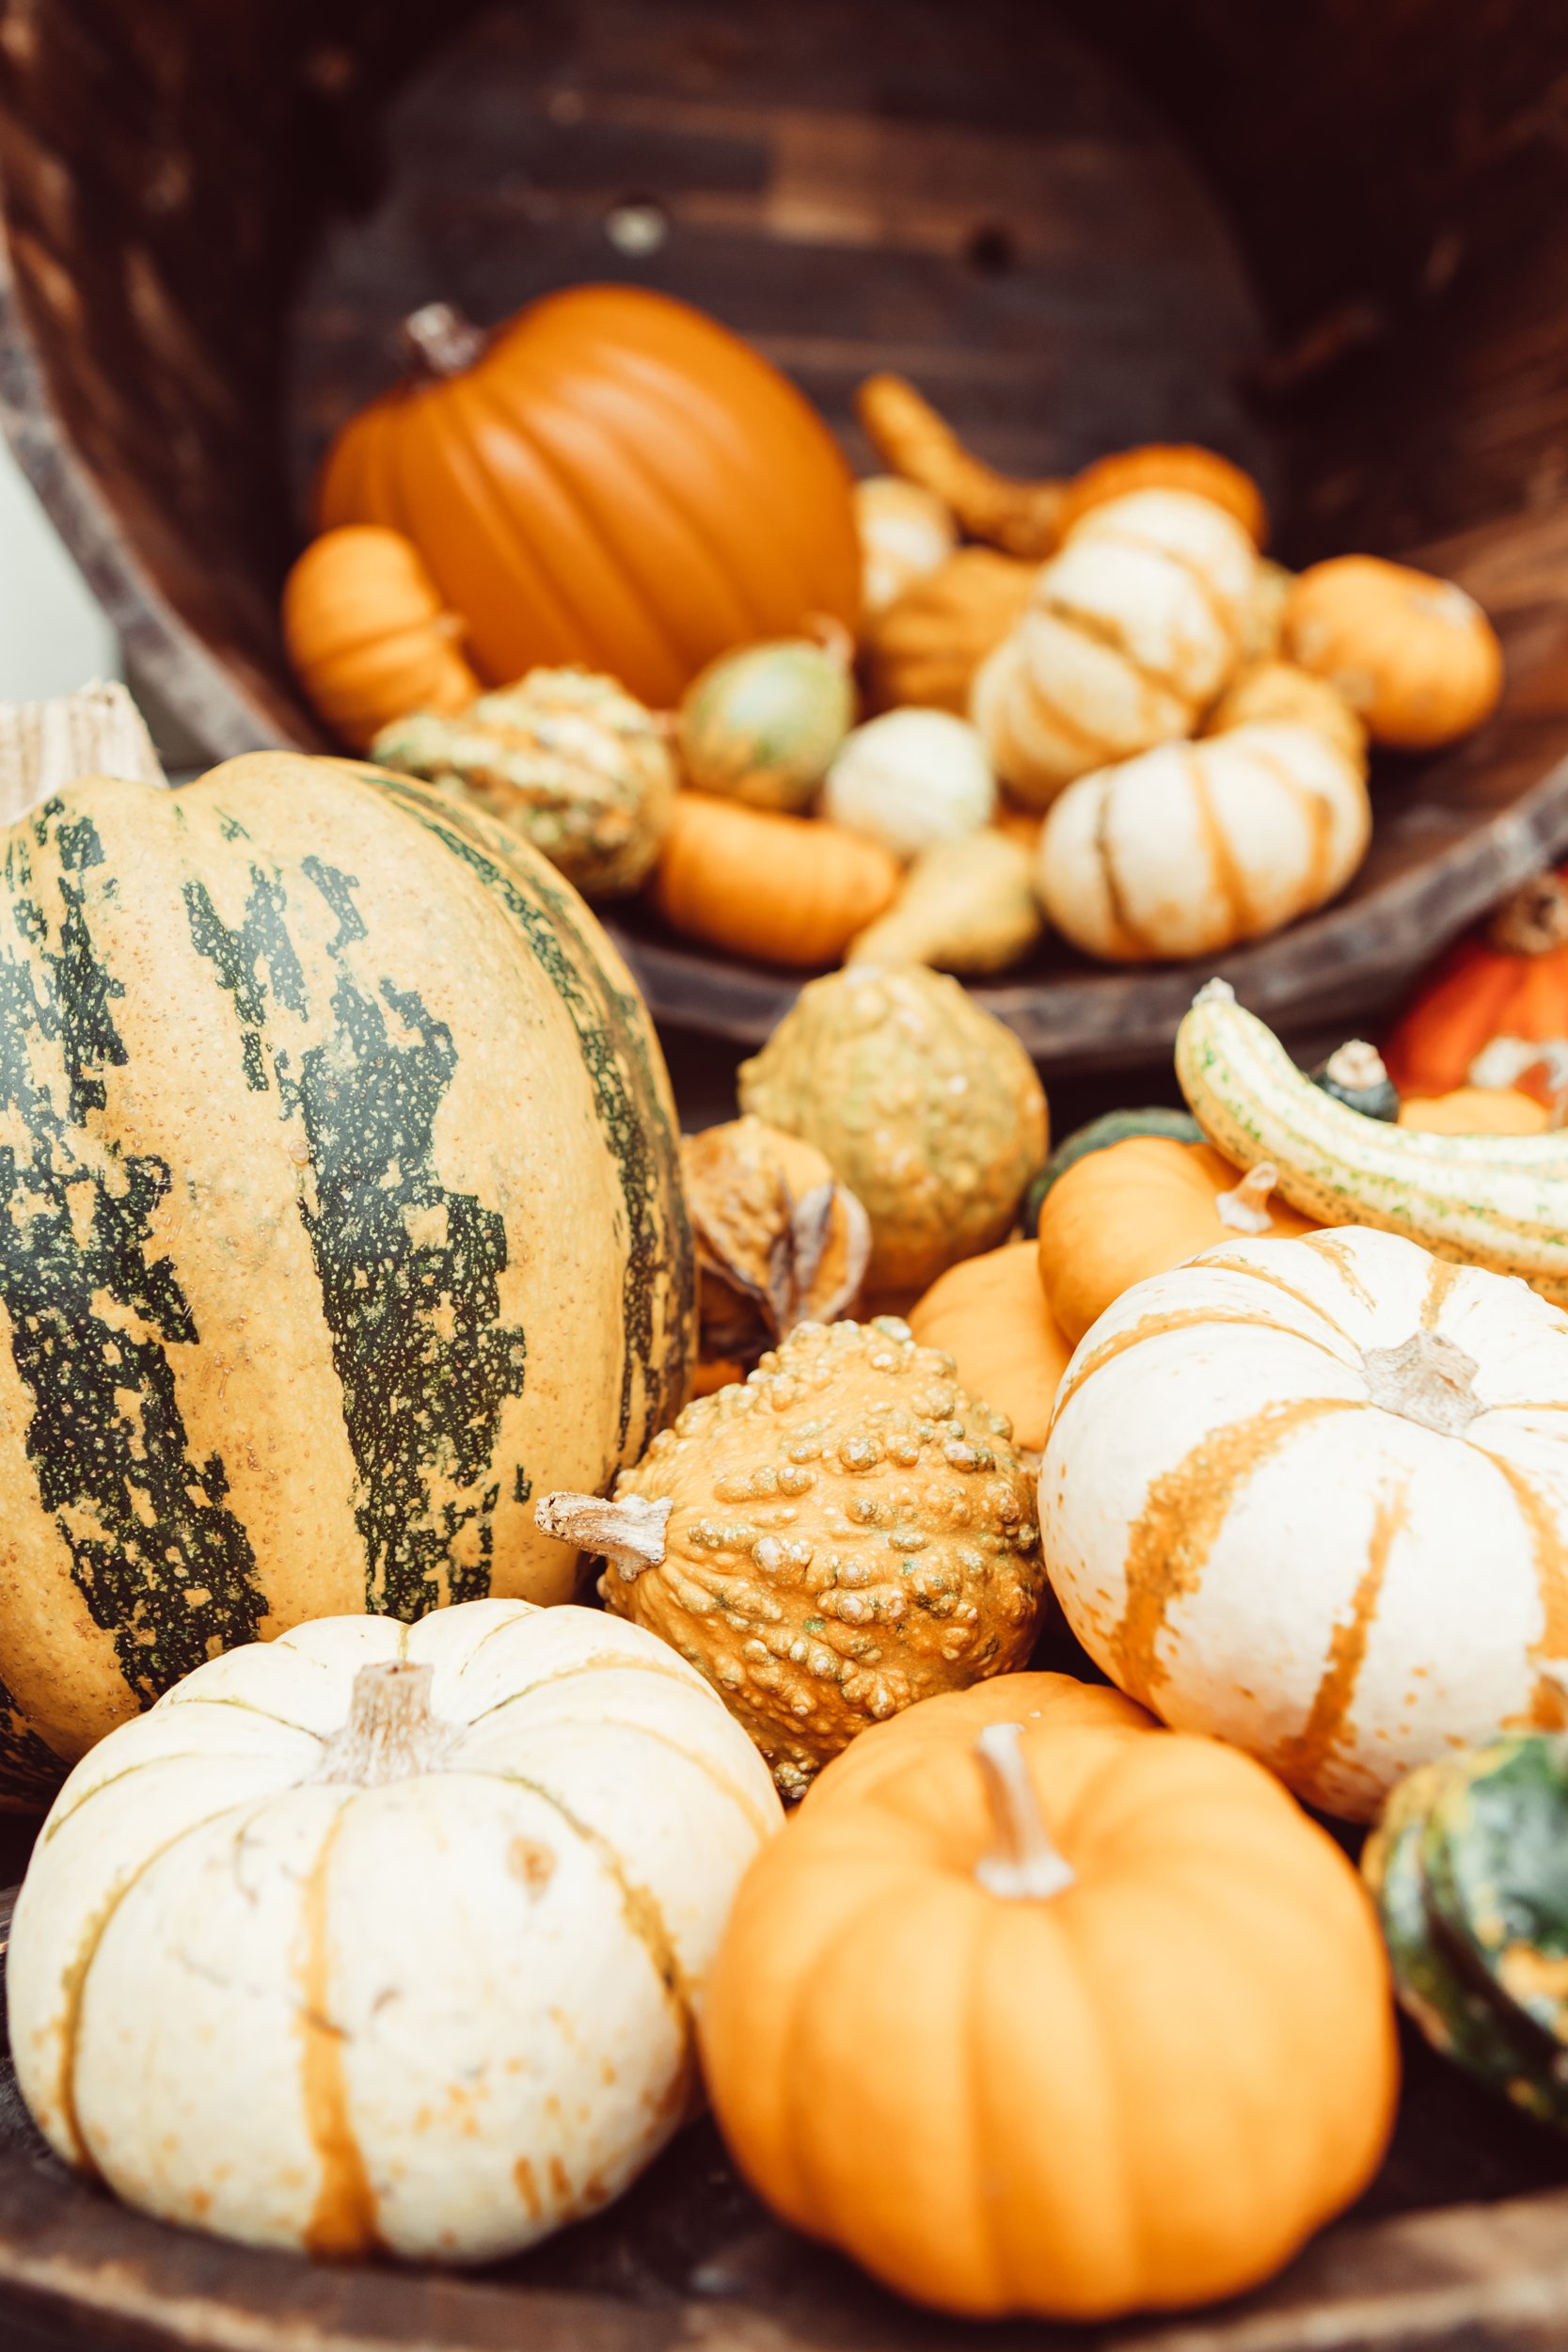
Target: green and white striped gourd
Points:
(341, 1211)
(1491, 1201)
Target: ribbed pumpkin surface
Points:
(618, 480)
(341, 1213)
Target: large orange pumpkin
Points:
(609, 478)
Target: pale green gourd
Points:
(763, 725)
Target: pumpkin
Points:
(1312, 1497)
(927, 1107)
(609, 478)
(778, 1241)
(566, 759)
(341, 1179)
(956, 1717)
(1498, 1200)
(1415, 657)
(843, 1536)
(1098, 1135)
(232, 1965)
(1138, 1207)
(1466, 1868)
(1131, 631)
(762, 726)
(906, 433)
(1267, 694)
(1477, 1112)
(784, 889)
(965, 906)
(1167, 465)
(1194, 847)
(1067, 2021)
(912, 779)
(367, 634)
(989, 1314)
(923, 649)
(1496, 1002)
(1355, 1074)
(905, 531)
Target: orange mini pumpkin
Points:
(955, 1718)
(368, 635)
(1140, 1207)
(989, 1314)
(1497, 993)
(788, 890)
(609, 478)
(1168, 466)
(1071, 2021)
(1415, 657)
(1476, 1111)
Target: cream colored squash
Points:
(910, 779)
(1312, 1497)
(387, 1938)
(1195, 846)
(1132, 630)
(906, 532)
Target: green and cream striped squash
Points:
(341, 1213)
(1499, 1201)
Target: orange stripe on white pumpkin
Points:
(1304, 1756)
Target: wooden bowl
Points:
(1339, 250)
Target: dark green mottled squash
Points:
(341, 1213)
(1469, 1871)
(1110, 1127)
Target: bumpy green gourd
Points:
(763, 725)
(1469, 1871)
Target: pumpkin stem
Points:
(629, 1533)
(1356, 1066)
(1028, 1868)
(98, 731)
(390, 1731)
(1533, 919)
(440, 341)
(834, 638)
(1246, 1209)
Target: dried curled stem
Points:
(1022, 518)
(630, 1533)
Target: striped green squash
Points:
(341, 1213)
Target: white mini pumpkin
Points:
(1312, 1496)
(387, 1938)
(1190, 848)
(912, 779)
(905, 532)
(1131, 629)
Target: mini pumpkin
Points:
(334, 1950)
(1131, 631)
(923, 649)
(1138, 1207)
(1098, 1135)
(1070, 2020)
(1496, 1002)
(1415, 657)
(779, 1242)
(844, 1534)
(906, 532)
(568, 760)
(1310, 1496)
(1197, 845)
(1167, 465)
(762, 726)
(927, 1107)
(787, 890)
(965, 906)
(990, 1314)
(368, 635)
(1267, 694)
(909, 780)
(1476, 1111)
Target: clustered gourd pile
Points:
(359, 1289)
(608, 573)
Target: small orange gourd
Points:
(924, 648)
(1069, 2021)
(1168, 466)
(1477, 1112)
(788, 890)
(1498, 994)
(1138, 1208)
(990, 1314)
(368, 635)
(1415, 657)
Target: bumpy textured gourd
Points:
(1387, 1432)
(844, 1534)
(1465, 1868)
(570, 761)
(233, 1967)
(1490, 1201)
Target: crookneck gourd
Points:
(846, 1533)
(340, 1181)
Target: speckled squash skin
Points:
(849, 1533)
(341, 1200)
(929, 1109)
(1467, 1871)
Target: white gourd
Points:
(1195, 846)
(1312, 1497)
(910, 779)
(386, 1937)
(1131, 629)
(905, 532)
